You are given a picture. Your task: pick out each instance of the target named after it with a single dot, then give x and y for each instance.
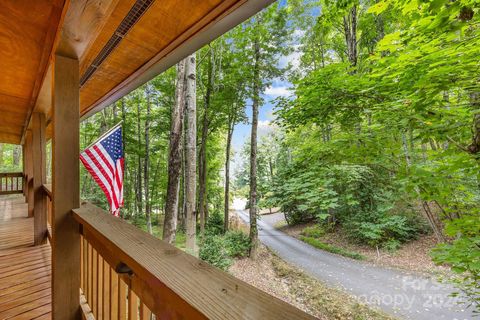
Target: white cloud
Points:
(265, 127)
(281, 91)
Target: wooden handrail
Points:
(167, 281)
(11, 182)
(47, 188)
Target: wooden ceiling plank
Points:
(215, 23)
(50, 41)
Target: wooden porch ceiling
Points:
(27, 33)
(31, 32)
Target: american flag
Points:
(105, 162)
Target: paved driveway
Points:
(404, 295)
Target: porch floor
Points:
(25, 282)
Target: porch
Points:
(63, 259)
(25, 270)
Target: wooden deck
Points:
(25, 282)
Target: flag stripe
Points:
(105, 162)
(87, 163)
(109, 175)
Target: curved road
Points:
(401, 294)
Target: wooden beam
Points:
(39, 178)
(83, 22)
(29, 182)
(7, 137)
(65, 185)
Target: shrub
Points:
(218, 249)
(214, 224)
(381, 229)
(237, 243)
(214, 251)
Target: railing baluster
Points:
(82, 285)
(145, 313)
(132, 305)
(122, 299)
(106, 291)
(9, 182)
(113, 294)
(85, 266)
(100, 287)
(94, 300)
(90, 275)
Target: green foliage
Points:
(214, 225)
(315, 231)
(10, 158)
(330, 248)
(214, 251)
(219, 248)
(237, 243)
(389, 231)
(463, 254)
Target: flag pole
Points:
(105, 134)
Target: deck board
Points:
(25, 270)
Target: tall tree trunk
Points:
(124, 119)
(231, 124)
(191, 152)
(16, 155)
(253, 152)
(350, 30)
(202, 194)
(139, 189)
(146, 163)
(1, 154)
(175, 157)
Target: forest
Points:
(377, 137)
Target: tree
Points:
(262, 40)
(191, 154)
(146, 163)
(175, 156)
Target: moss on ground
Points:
(330, 248)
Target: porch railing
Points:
(47, 191)
(128, 274)
(11, 182)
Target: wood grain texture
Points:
(172, 283)
(65, 188)
(29, 163)
(27, 35)
(25, 285)
(39, 178)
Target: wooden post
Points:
(24, 170)
(39, 177)
(29, 182)
(65, 185)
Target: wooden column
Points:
(39, 178)
(24, 170)
(65, 185)
(29, 182)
